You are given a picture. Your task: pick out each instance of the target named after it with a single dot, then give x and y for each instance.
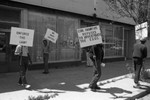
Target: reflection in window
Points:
(2, 43)
(113, 39)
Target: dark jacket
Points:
(97, 51)
(140, 51)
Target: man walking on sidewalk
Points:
(139, 54)
(96, 55)
(24, 59)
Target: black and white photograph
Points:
(74, 50)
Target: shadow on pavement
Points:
(8, 82)
(115, 90)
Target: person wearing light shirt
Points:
(24, 58)
(46, 50)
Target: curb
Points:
(140, 95)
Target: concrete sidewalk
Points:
(72, 84)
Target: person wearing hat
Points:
(46, 50)
(139, 54)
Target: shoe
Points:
(97, 87)
(88, 66)
(92, 89)
(137, 85)
(45, 72)
(27, 86)
(20, 84)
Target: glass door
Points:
(8, 61)
(10, 17)
(3, 52)
(2, 47)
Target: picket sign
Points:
(21, 36)
(51, 35)
(141, 31)
(89, 36)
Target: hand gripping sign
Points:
(89, 36)
(51, 35)
(21, 36)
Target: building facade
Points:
(118, 35)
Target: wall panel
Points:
(40, 22)
(66, 47)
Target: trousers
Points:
(96, 74)
(45, 59)
(138, 63)
(23, 69)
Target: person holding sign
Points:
(96, 54)
(24, 59)
(139, 54)
(46, 50)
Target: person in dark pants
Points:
(46, 50)
(139, 54)
(96, 54)
(24, 59)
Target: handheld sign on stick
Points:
(89, 36)
(51, 35)
(141, 31)
(21, 36)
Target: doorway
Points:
(8, 61)
(3, 62)
(10, 17)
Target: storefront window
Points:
(68, 45)
(2, 43)
(2, 47)
(66, 48)
(40, 22)
(118, 40)
(113, 40)
(10, 17)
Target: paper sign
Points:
(89, 36)
(21, 36)
(51, 35)
(141, 31)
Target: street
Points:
(72, 83)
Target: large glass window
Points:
(40, 22)
(9, 17)
(2, 46)
(67, 46)
(113, 40)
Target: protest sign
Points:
(21, 36)
(89, 36)
(51, 35)
(141, 31)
